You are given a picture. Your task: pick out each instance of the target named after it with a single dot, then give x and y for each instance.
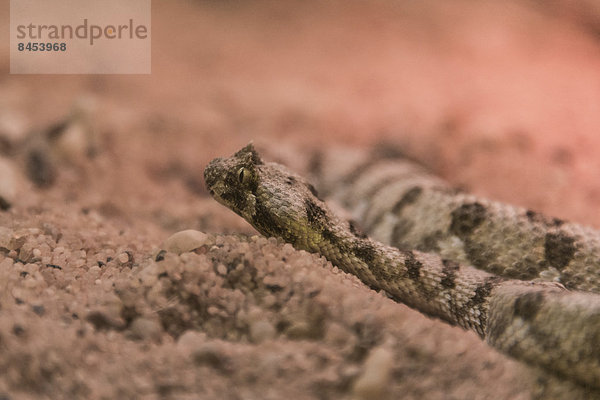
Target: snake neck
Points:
(439, 288)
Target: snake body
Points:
(538, 322)
(401, 204)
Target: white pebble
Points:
(185, 241)
(221, 269)
(374, 380)
(123, 258)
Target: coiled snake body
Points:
(538, 322)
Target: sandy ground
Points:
(500, 98)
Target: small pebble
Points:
(261, 331)
(73, 143)
(123, 258)
(18, 239)
(13, 127)
(185, 241)
(221, 269)
(190, 340)
(374, 380)
(144, 328)
(5, 237)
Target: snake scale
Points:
(516, 299)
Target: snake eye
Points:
(243, 175)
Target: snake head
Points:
(274, 200)
(233, 181)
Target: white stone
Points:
(374, 380)
(185, 241)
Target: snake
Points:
(526, 296)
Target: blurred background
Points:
(498, 97)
